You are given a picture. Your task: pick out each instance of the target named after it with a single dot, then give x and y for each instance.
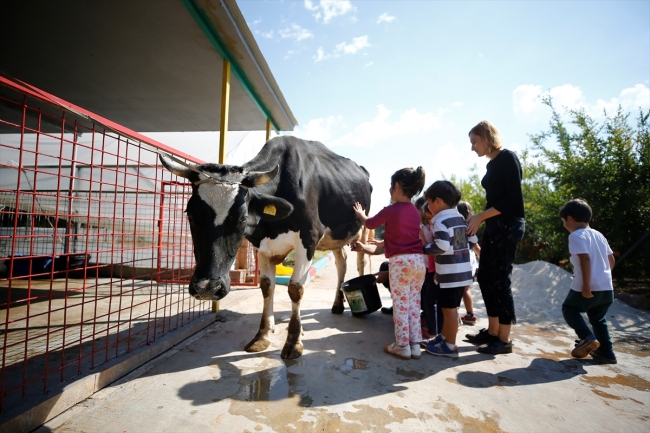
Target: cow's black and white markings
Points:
(294, 195)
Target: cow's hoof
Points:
(257, 345)
(291, 351)
(338, 309)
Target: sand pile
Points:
(539, 289)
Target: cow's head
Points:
(224, 207)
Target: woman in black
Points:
(504, 228)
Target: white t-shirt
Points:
(592, 242)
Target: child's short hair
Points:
(578, 209)
(447, 191)
(465, 209)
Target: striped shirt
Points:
(451, 248)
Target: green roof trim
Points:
(217, 42)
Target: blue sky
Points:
(393, 84)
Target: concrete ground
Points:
(345, 383)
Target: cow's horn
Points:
(175, 167)
(260, 177)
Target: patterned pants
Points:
(406, 276)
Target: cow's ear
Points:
(255, 178)
(269, 207)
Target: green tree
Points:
(608, 165)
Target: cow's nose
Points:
(209, 290)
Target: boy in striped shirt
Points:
(451, 247)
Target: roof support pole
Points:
(268, 129)
(225, 107)
(223, 129)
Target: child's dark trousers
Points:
(596, 309)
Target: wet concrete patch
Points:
(353, 364)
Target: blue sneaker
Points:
(440, 349)
(435, 340)
(602, 356)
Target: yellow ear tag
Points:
(269, 209)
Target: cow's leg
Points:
(362, 258)
(340, 258)
(293, 346)
(267, 284)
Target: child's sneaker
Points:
(602, 356)
(441, 349)
(434, 340)
(481, 337)
(469, 319)
(416, 352)
(398, 351)
(585, 346)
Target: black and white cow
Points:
(294, 195)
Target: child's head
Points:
(411, 181)
(577, 209)
(423, 208)
(465, 209)
(444, 190)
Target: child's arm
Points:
(612, 262)
(441, 242)
(585, 268)
(477, 251)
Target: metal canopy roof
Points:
(150, 65)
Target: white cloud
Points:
(481, 55)
(328, 9)
(267, 35)
(294, 31)
(320, 55)
(369, 134)
(290, 53)
(385, 18)
(357, 44)
(318, 129)
(527, 100)
(367, 65)
(457, 104)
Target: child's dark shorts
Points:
(450, 297)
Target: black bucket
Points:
(362, 295)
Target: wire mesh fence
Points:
(95, 250)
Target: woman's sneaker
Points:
(398, 351)
(416, 352)
(495, 346)
(585, 346)
(602, 356)
(441, 349)
(469, 319)
(481, 337)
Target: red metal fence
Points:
(95, 251)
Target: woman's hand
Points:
(473, 223)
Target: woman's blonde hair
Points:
(489, 133)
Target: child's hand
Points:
(586, 291)
(358, 209)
